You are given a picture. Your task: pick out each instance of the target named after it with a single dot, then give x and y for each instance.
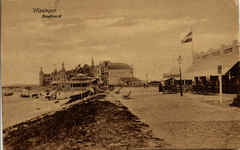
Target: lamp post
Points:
(147, 80)
(180, 61)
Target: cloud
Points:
(205, 19)
(101, 28)
(101, 23)
(121, 30)
(39, 29)
(211, 40)
(100, 48)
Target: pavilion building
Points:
(172, 77)
(204, 70)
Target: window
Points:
(215, 54)
(205, 56)
(226, 51)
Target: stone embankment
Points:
(89, 123)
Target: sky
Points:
(144, 33)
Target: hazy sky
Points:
(145, 33)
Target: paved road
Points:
(184, 122)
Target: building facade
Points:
(47, 79)
(63, 75)
(172, 77)
(108, 73)
(115, 73)
(204, 70)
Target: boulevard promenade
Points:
(188, 122)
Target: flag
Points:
(188, 38)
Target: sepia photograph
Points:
(120, 74)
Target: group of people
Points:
(159, 89)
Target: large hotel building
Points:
(107, 72)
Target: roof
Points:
(71, 82)
(81, 76)
(209, 67)
(172, 72)
(118, 65)
(175, 78)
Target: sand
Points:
(16, 109)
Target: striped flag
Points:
(188, 38)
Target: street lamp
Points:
(147, 80)
(180, 61)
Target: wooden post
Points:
(220, 82)
(220, 87)
(181, 82)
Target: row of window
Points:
(73, 85)
(215, 54)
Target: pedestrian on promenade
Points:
(160, 87)
(144, 85)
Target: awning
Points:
(209, 67)
(164, 79)
(175, 78)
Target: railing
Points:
(204, 89)
(231, 89)
(211, 89)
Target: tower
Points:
(63, 73)
(92, 62)
(63, 68)
(41, 70)
(92, 72)
(41, 77)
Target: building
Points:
(115, 73)
(172, 77)
(107, 73)
(63, 75)
(204, 70)
(78, 84)
(47, 79)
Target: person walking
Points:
(144, 85)
(160, 87)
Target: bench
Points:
(118, 92)
(126, 96)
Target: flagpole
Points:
(192, 44)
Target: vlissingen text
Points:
(45, 10)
